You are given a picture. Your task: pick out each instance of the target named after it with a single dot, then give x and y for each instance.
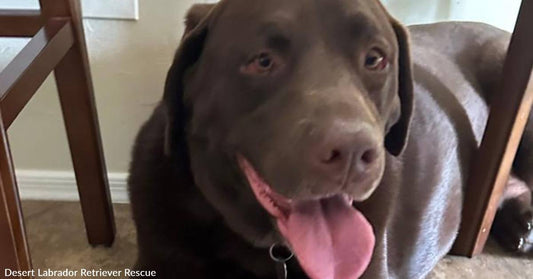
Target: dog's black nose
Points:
(348, 148)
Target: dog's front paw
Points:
(513, 226)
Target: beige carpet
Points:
(57, 241)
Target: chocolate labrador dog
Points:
(321, 127)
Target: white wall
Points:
(500, 13)
(121, 9)
(129, 60)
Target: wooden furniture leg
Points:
(73, 79)
(19, 80)
(14, 253)
(57, 43)
(507, 120)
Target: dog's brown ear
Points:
(195, 15)
(197, 22)
(396, 139)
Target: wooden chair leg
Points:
(508, 117)
(81, 122)
(75, 89)
(14, 252)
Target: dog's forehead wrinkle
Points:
(259, 11)
(278, 20)
(319, 18)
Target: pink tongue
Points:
(330, 238)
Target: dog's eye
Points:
(261, 64)
(375, 60)
(264, 61)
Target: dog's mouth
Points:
(330, 238)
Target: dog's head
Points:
(295, 103)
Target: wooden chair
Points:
(491, 167)
(57, 45)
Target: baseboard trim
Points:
(61, 186)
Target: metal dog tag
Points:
(280, 254)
